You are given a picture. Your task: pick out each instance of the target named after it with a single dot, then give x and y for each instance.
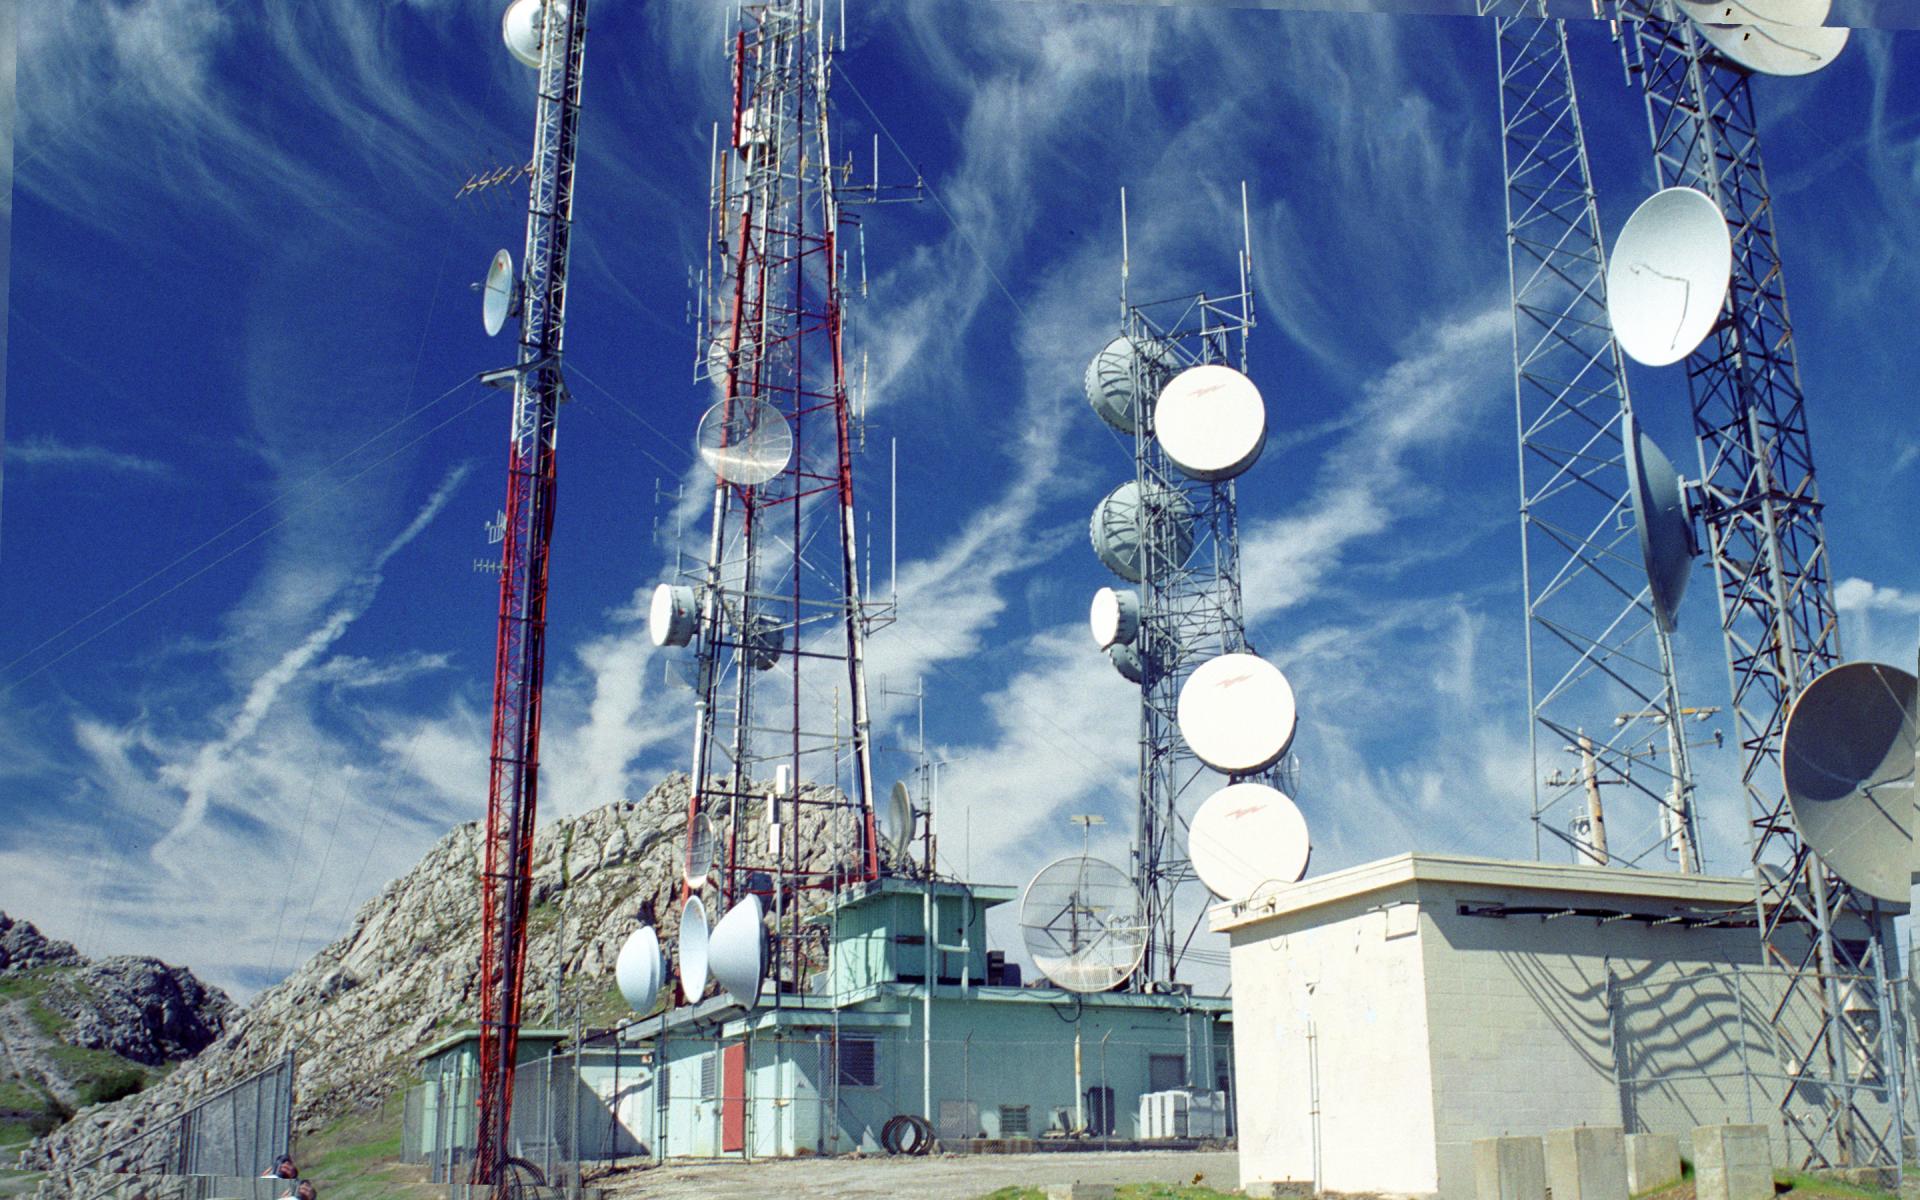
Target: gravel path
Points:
(957, 1177)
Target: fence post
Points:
(1740, 1020)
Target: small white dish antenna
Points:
(765, 641)
(1118, 527)
(1668, 280)
(701, 850)
(1802, 13)
(1237, 713)
(639, 971)
(1660, 516)
(1248, 836)
(1114, 387)
(745, 442)
(497, 293)
(737, 952)
(1081, 920)
(1114, 617)
(1211, 422)
(520, 29)
(1846, 758)
(693, 950)
(1766, 48)
(899, 821)
(673, 616)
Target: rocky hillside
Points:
(76, 1032)
(358, 1012)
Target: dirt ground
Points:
(959, 1177)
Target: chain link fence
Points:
(237, 1131)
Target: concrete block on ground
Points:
(1653, 1161)
(1588, 1163)
(1453, 1162)
(1079, 1191)
(1510, 1168)
(1732, 1162)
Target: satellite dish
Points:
(1846, 758)
(672, 617)
(899, 821)
(520, 29)
(1211, 422)
(720, 352)
(1114, 617)
(639, 970)
(1246, 836)
(1803, 13)
(693, 950)
(1668, 279)
(1082, 923)
(700, 851)
(1660, 515)
(1237, 714)
(1117, 528)
(1767, 48)
(745, 442)
(1110, 382)
(737, 952)
(497, 293)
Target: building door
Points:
(733, 1098)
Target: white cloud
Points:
(46, 451)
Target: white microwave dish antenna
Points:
(701, 849)
(1668, 279)
(520, 28)
(1126, 660)
(673, 616)
(1660, 516)
(1237, 713)
(694, 937)
(745, 442)
(1802, 13)
(1245, 837)
(639, 971)
(1211, 422)
(1081, 920)
(1767, 48)
(1846, 759)
(1123, 378)
(1118, 527)
(899, 820)
(497, 293)
(1114, 617)
(737, 951)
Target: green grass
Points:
(358, 1156)
(18, 1183)
(1805, 1185)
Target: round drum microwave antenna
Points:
(1082, 923)
(1211, 422)
(1247, 836)
(520, 29)
(745, 442)
(899, 820)
(496, 293)
(701, 848)
(1803, 13)
(737, 952)
(693, 950)
(1110, 384)
(1114, 617)
(1118, 528)
(1126, 660)
(639, 970)
(1846, 758)
(1767, 48)
(1668, 280)
(1237, 713)
(672, 617)
(1660, 516)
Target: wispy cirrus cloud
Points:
(47, 451)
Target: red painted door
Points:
(733, 1098)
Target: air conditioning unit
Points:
(1179, 1113)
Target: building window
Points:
(1014, 1121)
(859, 1062)
(1166, 1072)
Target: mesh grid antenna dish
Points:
(899, 820)
(694, 939)
(745, 442)
(520, 29)
(1668, 280)
(1237, 713)
(1660, 516)
(1801, 13)
(639, 971)
(1846, 758)
(1114, 617)
(701, 848)
(737, 951)
(1248, 836)
(1116, 529)
(1082, 924)
(1211, 422)
(1768, 48)
(672, 616)
(496, 294)
(1110, 385)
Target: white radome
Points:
(1248, 837)
(1237, 713)
(1114, 617)
(1767, 48)
(672, 618)
(1211, 422)
(639, 970)
(737, 952)
(1668, 279)
(693, 950)
(520, 29)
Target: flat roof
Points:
(987, 894)
(468, 1035)
(1705, 891)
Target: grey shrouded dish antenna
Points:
(745, 442)
(1846, 758)
(1211, 422)
(1118, 527)
(1660, 515)
(1803, 13)
(693, 950)
(1245, 837)
(1237, 713)
(737, 952)
(1114, 617)
(899, 820)
(497, 293)
(1768, 48)
(1110, 380)
(1669, 275)
(1126, 660)
(672, 617)
(700, 851)
(639, 970)
(520, 29)
(1082, 923)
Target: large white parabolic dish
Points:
(1248, 836)
(700, 851)
(520, 29)
(1237, 713)
(737, 952)
(1767, 48)
(693, 950)
(1081, 920)
(900, 821)
(744, 441)
(1668, 279)
(1114, 617)
(496, 294)
(1846, 758)
(1803, 13)
(639, 971)
(1111, 384)
(672, 616)
(1211, 422)
(1660, 517)
(1119, 527)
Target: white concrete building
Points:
(1389, 1014)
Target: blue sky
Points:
(247, 656)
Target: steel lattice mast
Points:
(1760, 506)
(519, 661)
(1600, 676)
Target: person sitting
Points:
(305, 1190)
(282, 1168)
